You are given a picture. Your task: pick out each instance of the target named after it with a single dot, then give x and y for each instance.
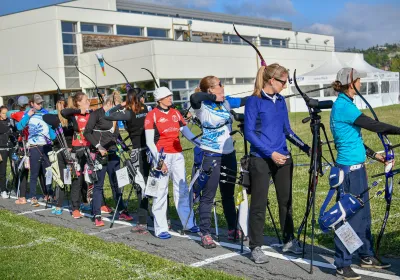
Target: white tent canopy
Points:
(380, 87)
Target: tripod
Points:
(315, 171)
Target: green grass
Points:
(391, 240)
(33, 250)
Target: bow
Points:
(152, 75)
(251, 44)
(101, 59)
(389, 156)
(101, 99)
(60, 95)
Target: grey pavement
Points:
(186, 249)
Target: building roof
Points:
(145, 8)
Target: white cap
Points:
(161, 92)
(347, 75)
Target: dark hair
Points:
(266, 73)
(337, 86)
(3, 107)
(133, 99)
(77, 98)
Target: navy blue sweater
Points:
(266, 126)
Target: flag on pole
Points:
(101, 61)
(243, 204)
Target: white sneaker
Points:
(4, 194)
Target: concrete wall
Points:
(93, 4)
(28, 39)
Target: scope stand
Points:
(314, 172)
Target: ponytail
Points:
(266, 73)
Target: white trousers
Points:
(176, 169)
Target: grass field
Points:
(391, 242)
(33, 250)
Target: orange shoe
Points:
(106, 210)
(76, 214)
(98, 222)
(20, 201)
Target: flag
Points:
(101, 61)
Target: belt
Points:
(209, 154)
(356, 166)
(349, 168)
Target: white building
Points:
(179, 46)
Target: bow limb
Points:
(305, 96)
(263, 63)
(58, 88)
(101, 99)
(152, 75)
(126, 80)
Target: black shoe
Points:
(373, 262)
(347, 273)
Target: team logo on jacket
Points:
(147, 122)
(162, 120)
(175, 118)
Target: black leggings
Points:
(261, 171)
(3, 170)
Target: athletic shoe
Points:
(56, 211)
(293, 247)
(34, 202)
(194, 229)
(76, 214)
(373, 262)
(258, 256)
(20, 201)
(106, 210)
(347, 273)
(208, 242)
(140, 229)
(164, 235)
(124, 216)
(98, 222)
(4, 194)
(85, 207)
(231, 235)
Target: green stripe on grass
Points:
(32, 250)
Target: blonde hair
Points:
(60, 106)
(70, 102)
(265, 74)
(113, 98)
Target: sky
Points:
(354, 23)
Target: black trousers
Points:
(261, 170)
(62, 163)
(3, 170)
(227, 191)
(78, 187)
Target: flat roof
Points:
(162, 10)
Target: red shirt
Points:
(17, 116)
(167, 127)
(79, 139)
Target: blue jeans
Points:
(355, 182)
(110, 168)
(38, 161)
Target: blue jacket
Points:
(39, 131)
(266, 126)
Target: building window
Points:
(178, 84)
(363, 89)
(307, 88)
(385, 87)
(193, 83)
(157, 32)
(329, 91)
(96, 28)
(70, 54)
(373, 88)
(129, 30)
(227, 81)
(277, 43)
(244, 81)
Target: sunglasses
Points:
(219, 84)
(281, 81)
